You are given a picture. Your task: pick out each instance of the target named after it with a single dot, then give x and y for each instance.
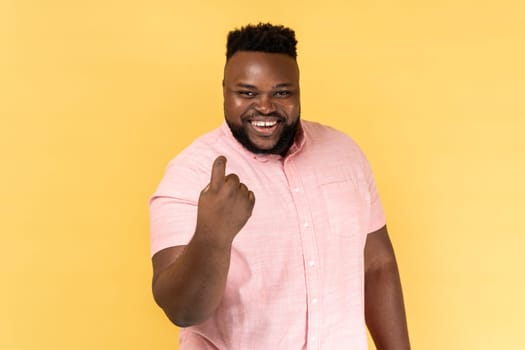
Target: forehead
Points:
(260, 68)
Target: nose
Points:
(264, 104)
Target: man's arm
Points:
(384, 308)
(189, 281)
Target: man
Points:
(268, 233)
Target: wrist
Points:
(212, 238)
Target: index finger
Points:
(218, 170)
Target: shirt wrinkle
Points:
(296, 275)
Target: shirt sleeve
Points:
(173, 207)
(376, 213)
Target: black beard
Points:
(281, 147)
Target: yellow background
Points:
(97, 96)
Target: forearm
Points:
(384, 308)
(191, 288)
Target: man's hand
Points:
(189, 281)
(225, 205)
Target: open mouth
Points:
(264, 127)
(263, 123)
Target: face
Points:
(261, 100)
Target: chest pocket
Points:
(344, 201)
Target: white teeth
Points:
(263, 124)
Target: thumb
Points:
(218, 171)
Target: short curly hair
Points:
(264, 37)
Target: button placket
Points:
(309, 247)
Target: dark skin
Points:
(189, 281)
(262, 87)
(384, 308)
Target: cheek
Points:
(235, 105)
(234, 110)
(292, 109)
(240, 104)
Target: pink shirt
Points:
(296, 278)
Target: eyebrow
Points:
(250, 86)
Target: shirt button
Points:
(311, 263)
(314, 300)
(297, 189)
(306, 224)
(313, 338)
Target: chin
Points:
(263, 146)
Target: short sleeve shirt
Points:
(296, 277)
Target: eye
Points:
(282, 93)
(246, 93)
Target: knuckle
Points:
(233, 178)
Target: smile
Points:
(264, 128)
(263, 123)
